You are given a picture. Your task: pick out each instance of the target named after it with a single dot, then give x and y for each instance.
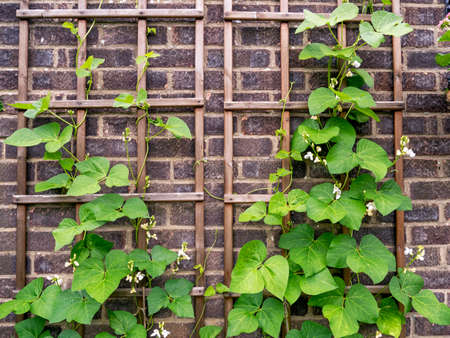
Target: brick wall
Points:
(256, 77)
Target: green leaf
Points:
(209, 292)
(405, 286)
(210, 331)
(135, 208)
(156, 300)
(124, 100)
(300, 236)
(312, 258)
(275, 273)
(163, 255)
(318, 136)
(311, 20)
(340, 247)
(66, 163)
(58, 181)
(56, 156)
(66, 231)
(81, 72)
(361, 304)
(45, 306)
(255, 213)
(118, 176)
(273, 220)
(182, 307)
(317, 51)
(344, 12)
(320, 100)
(355, 209)
(23, 138)
(390, 319)
(293, 290)
(245, 277)
(390, 24)
(445, 37)
(95, 167)
(362, 185)
(30, 328)
(347, 134)
(83, 185)
(121, 321)
(102, 208)
(241, 320)
(70, 26)
(100, 279)
(359, 97)
(319, 283)
(372, 258)
(341, 322)
(104, 335)
(178, 127)
(426, 303)
(69, 334)
(222, 288)
(389, 198)
(310, 330)
(335, 296)
(297, 199)
(443, 60)
(373, 157)
(141, 97)
(35, 108)
(368, 34)
(8, 307)
(298, 143)
(178, 287)
(341, 159)
(278, 204)
(368, 79)
(77, 306)
(318, 206)
(31, 291)
(271, 317)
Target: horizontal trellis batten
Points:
(300, 105)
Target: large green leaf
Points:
(121, 321)
(135, 208)
(320, 50)
(368, 79)
(210, 331)
(77, 306)
(310, 330)
(302, 235)
(297, 200)
(320, 100)
(245, 277)
(319, 211)
(156, 300)
(58, 181)
(100, 279)
(390, 24)
(95, 167)
(359, 97)
(31, 291)
(23, 138)
(341, 159)
(347, 134)
(426, 303)
(355, 209)
(340, 247)
(361, 304)
(390, 319)
(255, 213)
(319, 283)
(372, 258)
(293, 289)
(271, 316)
(178, 127)
(275, 273)
(389, 198)
(68, 229)
(45, 306)
(118, 176)
(373, 157)
(69, 334)
(341, 322)
(278, 204)
(312, 258)
(311, 20)
(83, 185)
(298, 143)
(178, 287)
(30, 328)
(344, 12)
(241, 320)
(318, 136)
(405, 286)
(335, 296)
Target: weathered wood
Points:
(302, 105)
(279, 16)
(149, 197)
(109, 13)
(154, 103)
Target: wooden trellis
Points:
(80, 104)
(230, 106)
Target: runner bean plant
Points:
(313, 263)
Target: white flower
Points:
(317, 160)
(133, 290)
(370, 208)
(140, 276)
(349, 74)
(318, 149)
(309, 156)
(324, 162)
(410, 153)
(408, 251)
(129, 278)
(337, 97)
(155, 333)
(182, 255)
(55, 280)
(399, 152)
(337, 191)
(356, 64)
(165, 333)
(144, 226)
(75, 263)
(378, 334)
(333, 82)
(314, 117)
(67, 264)
(420, 253)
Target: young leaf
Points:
(83, 185)
(70, 26)
(135, 208)
(373, 157)
(58, 181)
(156, 300)
(141, 97)
(390, 24)
(300, 236)
(320, 100)
(368, 34)
(298, 143)
(275, 273)
(123, 101)
(405, 286)
(81, 72)
(359, 97)
(346, 11)
(368, 79)
(68, 334)
(361, 304)
(209, 292)
(23, 138)
(30, 328)
(311, 20)
(278, 204)
(178, 128)
(443, 60)
(95, 167)
(341, 322)
(335, 296)
(121, 321)
(340, 247)
(390, 319)
(210, 331)
(118, 176)
(76, 306)
(310, 330)
(254, 213)
(297, 199)
(271, 316)
(293, 290)
(428, 306)
(347, 134)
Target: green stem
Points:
(71, 154)
(60, 118)
(212, 195)
(334, 36)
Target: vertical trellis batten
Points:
(21, 230)
(398, 131)
(199, 167)
(228, 154)
(142, 124)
